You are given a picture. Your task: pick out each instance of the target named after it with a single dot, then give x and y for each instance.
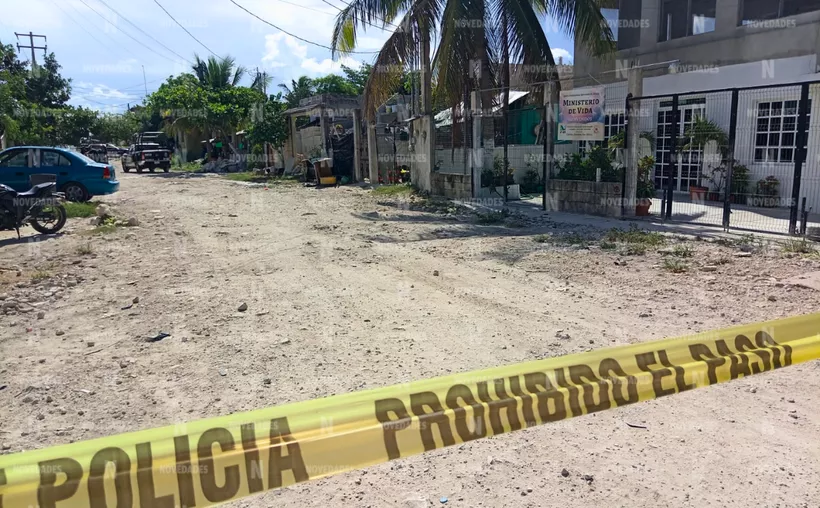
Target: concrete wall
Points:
(451, 185)
(728, 44)
(595, 198)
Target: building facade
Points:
(699, 51)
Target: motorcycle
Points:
(41, 206)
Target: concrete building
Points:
(700, 50)
(321, 126)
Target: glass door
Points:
(686, 170)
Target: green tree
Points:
(492, 34)
(358, 77)
(298, 90)
(71, 124)
(46, 87)
(218, 73)
(271, 125)
(117, 129)
(334, 84)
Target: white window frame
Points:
(610, 129)
(780, 147)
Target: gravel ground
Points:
(346, 290)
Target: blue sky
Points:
(106, 65)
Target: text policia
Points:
(211, 461)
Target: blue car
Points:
(77, 176)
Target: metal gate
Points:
(736, 158)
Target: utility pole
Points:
(144, 82)
(31, 45)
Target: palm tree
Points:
(298, 90)
(478, 40)
(218, 73)
(261, 82)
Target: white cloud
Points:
(327, 66)
(561, 53)
(273, 49)
(98, 91)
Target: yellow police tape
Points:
(211, 461)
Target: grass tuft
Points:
(675, 265)
(85, 249)
(40, 276)
(401, 189)
(683, 251)
(635, 235)
(799, 246)
(80, 209)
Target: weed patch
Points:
(401, 189)
(635, 235)
(675, 265)
(73, 209)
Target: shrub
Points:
(577, 167)
(675, 265)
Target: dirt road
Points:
(346, 290)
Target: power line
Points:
(144, 32)
(115, 41)
(306, 7)
(295, 36)
(129, 35)
(182, 27)
(334, 6)
(81, 26)
(371, 24)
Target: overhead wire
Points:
(127, 34)
(182, 27)
(143, 31)
(294, 35)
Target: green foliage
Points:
(358, 77)
(531, 181)
(799, 246)
(117, 129)
(585, 169)
(740, 179)
(768, 187)
(400, 189)
(271, 126)
(208, 102)
(682, 251)
(646, 184)
(218, 73)
(495, 177)
(635, 235)
(490, 218)
(703, 131)
(298, 90)
(675, 265)
(542, 238)
(633, 249)
(74, 209)
(334, 84)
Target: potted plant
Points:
(646, 186)
(740, 183)
(768, 192)
(701, 132)
(717, 178)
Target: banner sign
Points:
(581, 116)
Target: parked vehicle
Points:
(97, 152)
(114, 150)
(146, 156)
(41, 207)
(78, 176)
